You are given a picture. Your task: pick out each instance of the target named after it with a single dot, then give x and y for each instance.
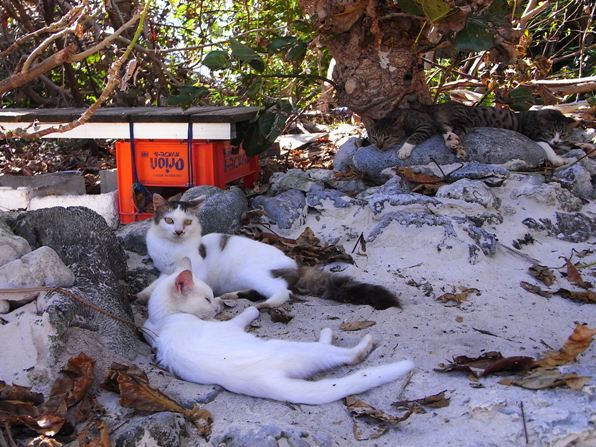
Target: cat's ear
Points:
(184, 263)
(158, 201)
(197, 202)
(184, 281)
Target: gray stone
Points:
(295, 179)
(393, 194)
(485, 240)
(576, 179)
(498, 146)
(132, 236)
(318, 194)
(223, 209)
(344, 156)
(268, 436)
(160, 429)
(11, 247)
(41, 267)
(472, 191)
(417, 219)
(570, 227)
(90, 248)
(551, 194)
(491, 175)
(285, 209)
(58, 183)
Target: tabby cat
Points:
(546, 127)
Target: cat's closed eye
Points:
(169, 220)
(187, 222)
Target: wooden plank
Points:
(120, 130)
(213, 114)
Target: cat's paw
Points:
(405, 151)
(461, 153)
(452, 140)
(363, 348)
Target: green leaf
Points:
(521, 99)
(271, 124)
(434, 9)
(216, 60)
(247, 55)
(474, 36)
(253, 89)
(410, 7)
(187, 95)
(280, 43)
(297, 52)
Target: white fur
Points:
(551, 155)
(243, 264)
(405, 150)
(222, 353)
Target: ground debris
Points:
(485, 364)
(135, 392)
(356, 325)
(578, 342)
(457, 297)
(575, 277)
(438, 400)
(370, 422)
(543, 274)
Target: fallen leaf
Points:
(95, 436)
(412, 176)
(575, 277)
(579, 340)
(356, 325)
(487, 363)
(581, 296)
(535, 289)
(369, 422)
(77, 378)
(509, 364)
(548, 378)
(20, 393)
(438, 400)
(135, 392)
(458, 297)
(542, 273)
(279, 315)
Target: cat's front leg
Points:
(453, 142)
(246, 317)
(405, 150)
(551, 155)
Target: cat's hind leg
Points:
(245, 317)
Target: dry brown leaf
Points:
(542, 273)
(20, 393)
(77, 378)
(370, 422)
(581, 296)
(509, 364)
(135, 392)
(579, 340)
(458, 298)
(279, 315)
(487, 363)
(356, 325)
(532, 288)
(95, 435)
(543, 378)
(410, 175)
(438, 400)
(575, 277)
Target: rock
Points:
(499, 146)
(394, 194)
(160, 429)
(41, 267)
(469, 191)
(344, 156)
(285, 210)
(570, 227)
(576, 179)
(297, 179)
(270, 436)
(485, 240)
(551, 194)
(11, 247)
(91, 250)
(491, 175)
(132, 236)
(417, 219)
(223, 209)
(318, 194)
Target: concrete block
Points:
(14, 198)
(108, 180)
(69, 182)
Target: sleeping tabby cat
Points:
(547, 127)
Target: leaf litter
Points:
(534, 373)
(370, 422)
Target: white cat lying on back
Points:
(222, 353)
(234, 263)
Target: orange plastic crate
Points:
(164, 163)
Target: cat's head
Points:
(385, 132)
(182, 292)
(553, 127)
(177, 220)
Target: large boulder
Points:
(222, 210)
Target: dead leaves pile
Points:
(545, 275)
(533, 373)
(307, 249)
(70, 405)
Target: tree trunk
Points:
(376, 49)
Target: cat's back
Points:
(240, 250)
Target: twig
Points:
(357, 242)
(519, 253)
(521, 406)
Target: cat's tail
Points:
(323, 391)
(342, 288)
